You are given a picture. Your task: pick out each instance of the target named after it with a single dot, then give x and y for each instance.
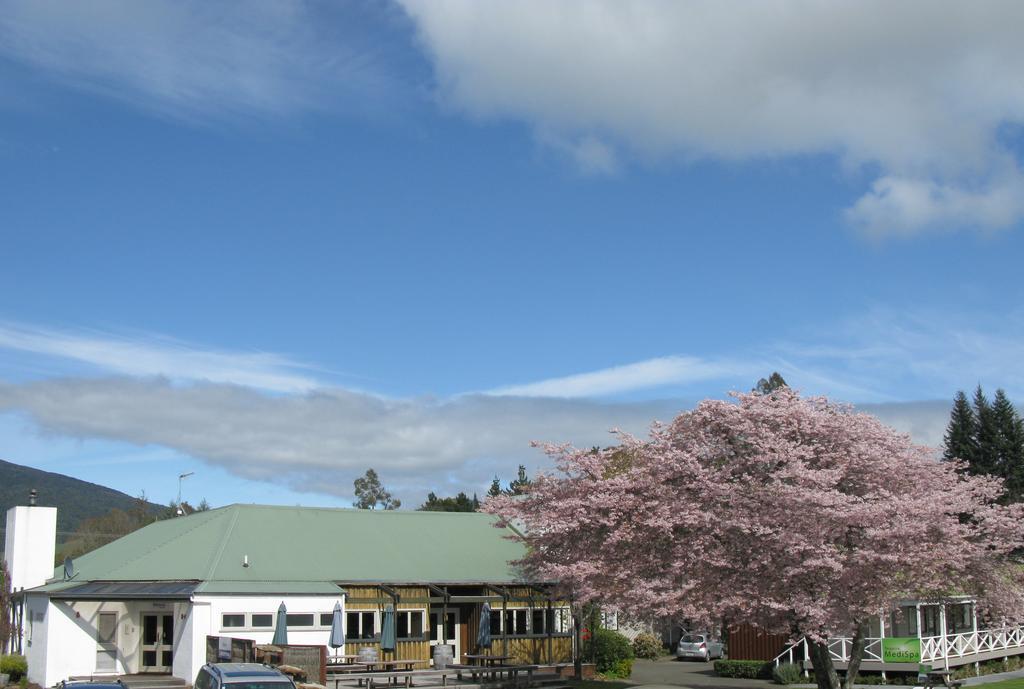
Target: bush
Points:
(14, 666)
(647, 645)
(787, 673)
(608, 649)
(622, 669)
(743, 669)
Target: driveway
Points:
(655, 674)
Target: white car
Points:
(700, 646)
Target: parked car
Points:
(241, 676)
(700, 646)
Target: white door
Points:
(157, 642)
(450, 634)
(106, 643)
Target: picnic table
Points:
(941, 678)
(486, 659)
(512, 672)
(343, 659)
(393, 677)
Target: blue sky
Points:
(281, 247)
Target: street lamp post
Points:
(180, 477)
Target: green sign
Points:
(901, 650)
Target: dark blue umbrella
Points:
(281, 630)
(337, 639)
(387, 629)
(483, 635)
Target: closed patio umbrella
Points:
(483, 635)
(281, 630)
(387, 630)
(337, 639)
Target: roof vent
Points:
(32, 495)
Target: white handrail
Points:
(933, 648)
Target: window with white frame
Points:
(361, 624)
(266, 620)
(531, 622)
(232, 620)
(609, 620)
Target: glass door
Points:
(450, 634)
(157, 642)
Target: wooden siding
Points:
(749, 642)
(531, 649)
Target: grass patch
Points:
(1005, 684)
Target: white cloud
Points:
(195, 59)
(321, 440)
(903, 206)
(918, 90)
(296, 431)
(641, 375)
(159, 356)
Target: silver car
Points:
(700, 646)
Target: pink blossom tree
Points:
(794, 513)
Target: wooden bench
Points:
(390, 678)
(511, 672)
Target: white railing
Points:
(933, 648)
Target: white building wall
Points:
(61, 635)
(68, 645)
(206, 616)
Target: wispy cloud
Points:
(264, 417)
(918, 101)
(160, 356)
(641, 375)
(200, 60)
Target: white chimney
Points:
(31, 544)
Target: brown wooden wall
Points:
(557, 649)
(404, 650)
(749, 642)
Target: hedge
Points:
(743, 669)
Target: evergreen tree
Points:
(986, 436)
(521, 484)
(1009, 446)
(768, 385)
(495, 489)
(960, 439)
(460, 503)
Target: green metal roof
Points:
(305, 550)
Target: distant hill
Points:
(75, 500)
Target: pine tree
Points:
(986, 436)
(495, 489)
(960, 437)
(1008, 446)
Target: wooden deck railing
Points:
(933, 648)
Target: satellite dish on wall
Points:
(69, 569)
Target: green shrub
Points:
(14, 666)
(622, 669)
(787, 673)
(608, 649)
(647, 645)
(743, 669)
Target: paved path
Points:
(659, 674)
